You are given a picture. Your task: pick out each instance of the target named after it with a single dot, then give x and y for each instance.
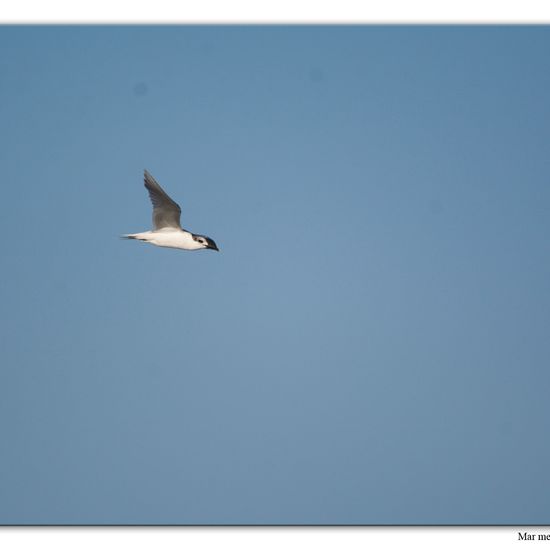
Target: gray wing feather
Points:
(166, 213)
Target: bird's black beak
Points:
(212, 245)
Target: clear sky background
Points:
(371, 344)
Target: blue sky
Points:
(371, 343)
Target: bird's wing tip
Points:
(147, 177)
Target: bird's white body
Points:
(169, 238)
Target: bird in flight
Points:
(167, 230)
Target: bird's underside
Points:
(168, 238)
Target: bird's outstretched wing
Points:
(166, 213)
